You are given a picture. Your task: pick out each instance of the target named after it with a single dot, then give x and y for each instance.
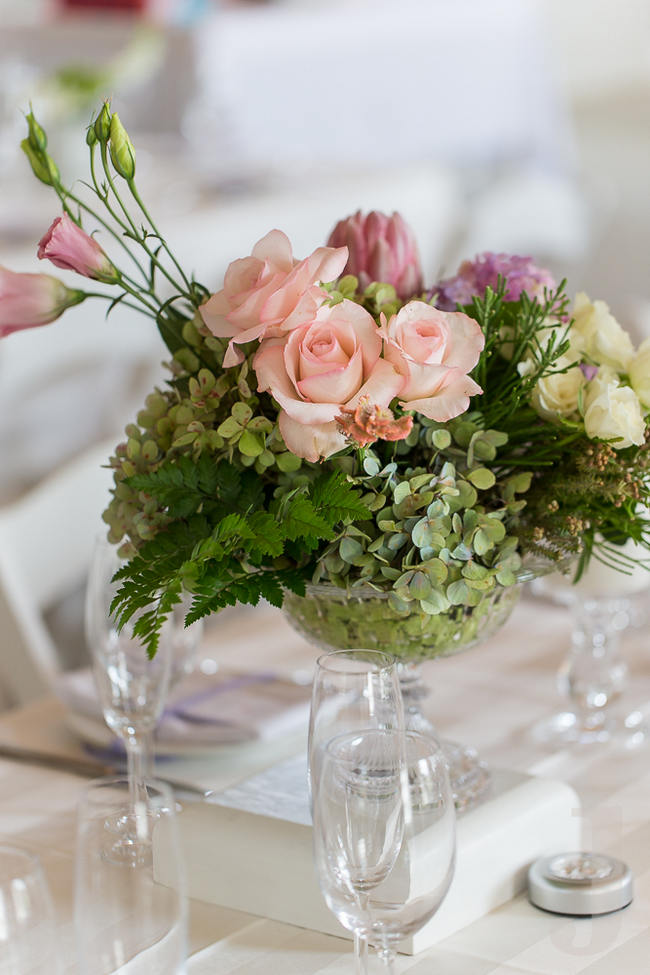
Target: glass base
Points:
(567, 727)
(571, 728)
(469, 776)
(128, 839)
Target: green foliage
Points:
(226, 539)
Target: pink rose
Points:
(69, 247)
(28, 300)
(381, 248)
(326, 363)
(434, 350)
(261, 292)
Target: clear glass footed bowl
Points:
(342, 619)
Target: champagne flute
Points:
(125, 920)
(27, 933)
(352, 690)
(421, 873)
(132, 688)
(384, 833)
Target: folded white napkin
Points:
(222, 708)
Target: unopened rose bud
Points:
(102, 124)
(121, 148)
(43, 166)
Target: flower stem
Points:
(136, 197)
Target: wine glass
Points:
(125, 920)
(353, 690)
(384, 833)
(27, 934)
(132, 688)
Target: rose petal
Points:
(336, 385)
(382, 386)
(311, 442)
(269, 366)
(275, 247)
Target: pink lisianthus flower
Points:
(325, 364)
(382, 249)
(261, 292)
(473, 277)
(434, 351)
(67, 246)
(367, 422)
(29, 300)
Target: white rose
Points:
(557, 394)
(639, 372)
(596, 333)
(612, 411)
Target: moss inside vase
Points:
(334, 618)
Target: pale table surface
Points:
(491, 697)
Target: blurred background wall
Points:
(517, 125)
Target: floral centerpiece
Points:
(334, 422)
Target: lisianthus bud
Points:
(102, 124)
(28, 300)
(381, 248)
(43, 166)
(122, 151)
(37, 137)
(91, 137)
(69, 247)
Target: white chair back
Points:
(46, 541)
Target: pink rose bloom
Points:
(434, 350)
(381, 248)
(261, 292)
(325, 364)
(69, 247)
(28, 300)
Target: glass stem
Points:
(148, 754)
(361, 953)
(387, 955)
(135, 771)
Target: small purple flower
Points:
(473, 277)
(588, 371)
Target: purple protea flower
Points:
(473, 277)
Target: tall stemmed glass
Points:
(422, 872)
(384, 833)
(125, 919)
(353, 691)
(132, 689)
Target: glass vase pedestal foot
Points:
(469, 776)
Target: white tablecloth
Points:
(491, 697)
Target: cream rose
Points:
(434, 350)
(597, 335)
(261, 292)
(326, 363)
(557, 394)
(639, 373)
(612, 411)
